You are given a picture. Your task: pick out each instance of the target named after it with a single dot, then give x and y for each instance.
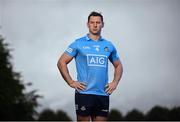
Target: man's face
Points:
(95, 24)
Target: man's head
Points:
(95, 23)
(95, 14)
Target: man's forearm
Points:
(117, 76)
(118, 73)
(65, 72)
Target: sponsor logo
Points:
(86, 47)
(83, 108)
(96, 60)
(69, 50)
(104, 110)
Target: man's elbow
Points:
(121, 68)
(59, 63)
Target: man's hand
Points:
(110, 87)
(77, 85)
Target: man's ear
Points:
(102, 24)
(87, 24)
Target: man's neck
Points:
(94, 37)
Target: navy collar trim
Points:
(89, 39)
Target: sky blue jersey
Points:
(91, 59)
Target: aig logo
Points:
(96, 60)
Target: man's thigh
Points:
(83, 103)
(83, 118)
(99, 118)
(94, 106)
(101, 107)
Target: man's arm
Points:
(62, 66)
(118, 70)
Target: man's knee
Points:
(83, 118)
(99, 118)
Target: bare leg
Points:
(83, 118)
(99, 118)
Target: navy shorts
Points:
(91, 105)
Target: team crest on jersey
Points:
(96, 60)
(83, 108)
(106, 49)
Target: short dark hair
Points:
(95, 14)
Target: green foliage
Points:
(47, 114)
(175, 113)
(134, 115)
(114, 115)
(158, 113)
(62, 116)
(14, 103)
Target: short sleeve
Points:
(113, 56)
(72, 49)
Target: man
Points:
(91, 54)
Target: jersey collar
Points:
(89, 39)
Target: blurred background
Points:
(146, 34)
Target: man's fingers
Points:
(81, 86)
(109, 89)
(84, 84)
(110, 92)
